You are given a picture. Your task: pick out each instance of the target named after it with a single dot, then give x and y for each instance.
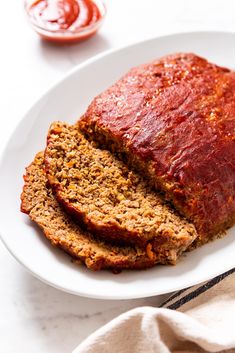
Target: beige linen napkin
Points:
(197, 319)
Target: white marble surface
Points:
(34, 317)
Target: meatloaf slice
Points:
(108, 198)
(174, 119)
(38, 201)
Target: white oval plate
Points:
(66, 101)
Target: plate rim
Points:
(40, 99)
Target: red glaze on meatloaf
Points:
(175, 120)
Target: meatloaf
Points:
(38, 201)
(111, 201)
(174, 119)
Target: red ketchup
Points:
(65, 20)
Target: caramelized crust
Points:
(175, 120)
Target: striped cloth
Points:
(193, 320)
(182, 297)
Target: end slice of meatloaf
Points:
(110, 200)
(38, 201)
(174, 119)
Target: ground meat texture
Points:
(174, 120)
(111, 201)
(39, 202)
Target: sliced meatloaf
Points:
(38, 201)
(174, 119)
(112, 201)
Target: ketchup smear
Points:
(59, 16)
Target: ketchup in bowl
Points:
(65, 20)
